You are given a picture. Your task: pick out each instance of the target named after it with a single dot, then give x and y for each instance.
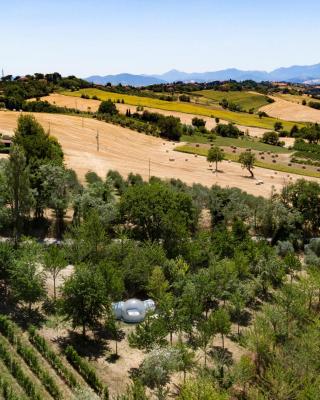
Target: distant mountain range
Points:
(294, 74)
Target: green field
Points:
(235, 117)
(276, 167)
(245, 100)
(243, 143)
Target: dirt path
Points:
(129, 151)
(290, 111)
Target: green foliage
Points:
(201, 389)
(156, 368)
(215, 154)
(149, 208)
(84, 298)
(86, 371)
(17, 189)
(26, 279)
(247, 159)
(52, 357)
(107, 107)
(148, 334)
(17, 372)
(271, 138)
(8, 329)
(229, 130)
(7, 391)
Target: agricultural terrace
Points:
(243, 119)
(246, 100)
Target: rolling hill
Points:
(298, 74)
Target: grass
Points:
(245, 100)
(275, 167)
(235, 117)
(243, 143)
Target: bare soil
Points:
(290, 111)
(129, 151)
(83, 104)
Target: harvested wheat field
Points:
(93, 105)
(290, 111)
(129, 151)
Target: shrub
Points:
(108, 107)
(314, 104)
(228, 130)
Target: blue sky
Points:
(87, 37)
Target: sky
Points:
(89, 37)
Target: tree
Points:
(87, 242)
(54, 262)
(114, 332)
(271, 138)
(108, 107)
(215, 154)
(26, 279)
(149, 334)
(185, 358)
(57, 192)
(292, 264)
(18, 189)
(244, 372)
(237, 305)
(278, 126)
(158, 286)
(198, 122)
(39, 148)
(205, 333)
(303, 196)
(221, 323)
(170, 127)
(158, 213)
(84, 299)
(7, 257)
(247, 159)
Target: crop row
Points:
(28, 354)
(86, 371)
(17, 372)
(52, 357)
(7, 391)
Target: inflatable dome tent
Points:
(132, 310)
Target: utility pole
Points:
(49, 128)
(97, 137)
